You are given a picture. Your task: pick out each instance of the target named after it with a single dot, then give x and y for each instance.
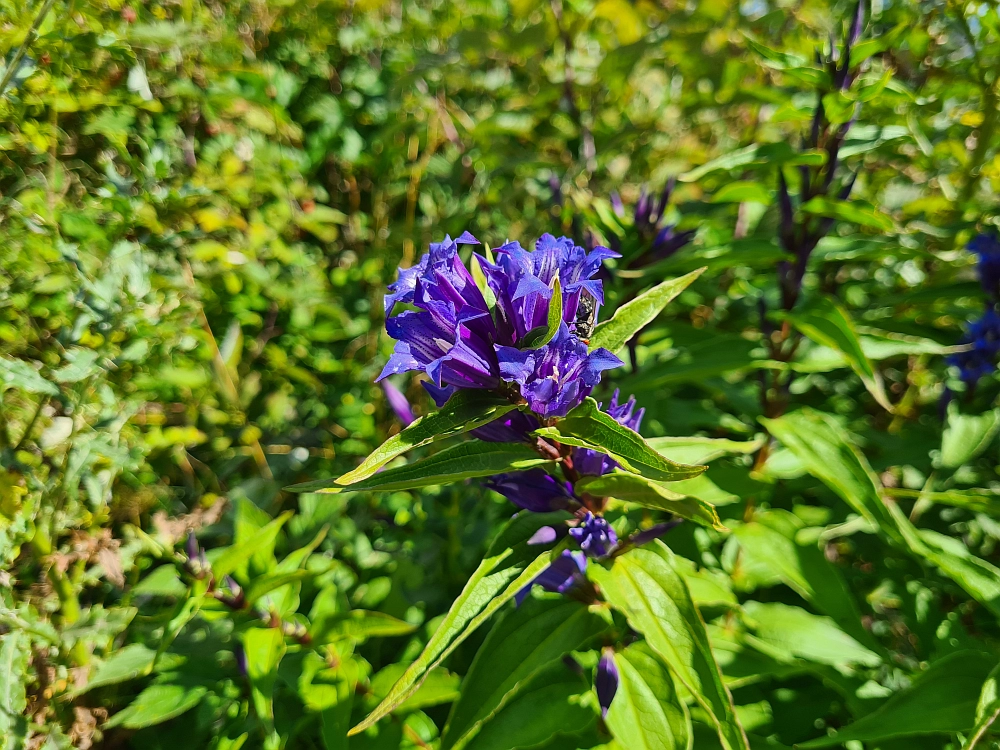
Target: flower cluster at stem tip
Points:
(464, 335)
(983, 335)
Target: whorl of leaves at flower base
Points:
(461, 341)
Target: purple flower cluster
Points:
(983, 336)
(660, 239)
(461, 341)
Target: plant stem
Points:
(30, 37)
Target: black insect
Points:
(586, 317)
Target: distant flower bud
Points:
(606, 680)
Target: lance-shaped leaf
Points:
(474, 458)
(701, 450)
(827, 452)
(359, 624)
(237, 555)
(589, 427)
(828, 324)
(634, 315)
(646, 713)
(980, 579)
(527, 639)
(987, 710)
(552, 702)
(770, 542)
(156, 704)
(646, 585)
(633, 488)
(510, 564)
(464, 411)
(855, 212)
(940, 701)
(539, 337)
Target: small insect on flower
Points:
(586, 317)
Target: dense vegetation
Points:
(201, 206)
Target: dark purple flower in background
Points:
(606, 680)
(533, 490)
(594, 463)
(595, 536)
(522, 283)
(400, 405)
(558, 376)
(987, 247)
(660, 239)
(565, 572)
(981, 358)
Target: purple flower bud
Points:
(533, 490)
(616, 203)
(191, 546)
(653, 532)
(513, 427)
(241, 659)
(398, 402)
(595, 536)
(642, 210)
(606, 680)
(565, 572)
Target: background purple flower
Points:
(398, 402)
(981, 359)
(987, 247)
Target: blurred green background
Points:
(200, 206)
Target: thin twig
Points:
(30, 37)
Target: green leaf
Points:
(472, 458)
(441, 686)
(16, 373)
(464, 411)
(940, 701)
(135, 660)
(163, 581)
(265, 584)
(855, 212)
(157, 704)
(783, 631)
(237, 555)
(732, 160)
(967, 435)
(987, 709)
(633, 488)
(548, 704)
(646, 585)
(589, 427)
(15, 650)
(701, 450)
(976, 500)
(264, 648)
(646, 713)
(360, 625)
(802, 567)
(742, 191)
(980, 579)
(828, 453)
(634, 315)
(525, 640)
(539, 337)
(509, 565)
(828, 324)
